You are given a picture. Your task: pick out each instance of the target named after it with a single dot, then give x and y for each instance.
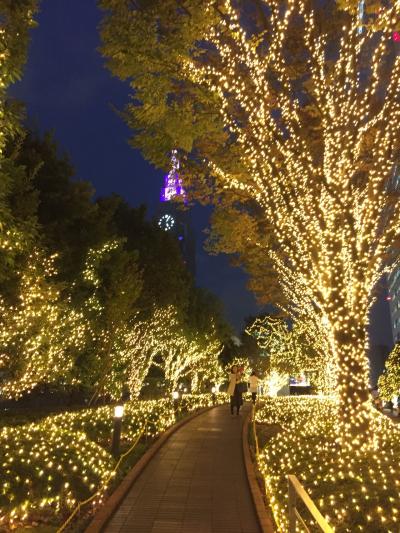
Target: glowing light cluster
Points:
(48, 466)
(184, 356)
(389, 381)
(296, 350)
(325, 197)
(39, 333)
(356, 494)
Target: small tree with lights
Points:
(389, 381)
(294, 350)
(40, 332)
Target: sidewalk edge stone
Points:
(263, 514)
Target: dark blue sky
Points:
(66, 89)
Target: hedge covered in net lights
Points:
(47, 467)
(357, 492)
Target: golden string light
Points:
(328, 203)
(39, 333)
(295, 350)
(46, 467)
(362, 496)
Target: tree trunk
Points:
(194, 383)
(106, 370)
(352, 384)
(138, 373)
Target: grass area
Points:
(298, 435)
(48, 466)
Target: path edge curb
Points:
(264, 517)
(103, 516)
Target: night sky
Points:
(67, 90)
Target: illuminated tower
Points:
(175, 219)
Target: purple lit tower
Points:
(172, 182)
(173, 218)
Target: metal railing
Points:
(296, 490)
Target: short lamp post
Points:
(175, 397)
(214, 397)
(116, 438)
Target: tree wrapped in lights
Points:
(178, 358)
(148, 337)
(389, 381)
(302, 117)
(16, 21)
(333, 214)
(181, 354)
(207, 370)
(295, 350)
(39, 333)
(113, 284)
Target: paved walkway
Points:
(196, 483)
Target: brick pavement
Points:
(196, 483)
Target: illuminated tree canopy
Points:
(389, 381)
(312, 137)
(294, 350)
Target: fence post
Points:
(292, 506)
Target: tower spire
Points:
(172, 181)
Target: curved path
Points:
(196, 483)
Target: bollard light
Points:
(185, 390)
(118, 411)
(214, 397)
(116, 438)
(175, 398)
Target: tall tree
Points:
(113, 284)
(311, 134)
(16, 21)
(39, 332)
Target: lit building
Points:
(171, 216)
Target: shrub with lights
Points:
(357, 496)
(47, 467)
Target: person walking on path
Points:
(234, 389)
(253, 386)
